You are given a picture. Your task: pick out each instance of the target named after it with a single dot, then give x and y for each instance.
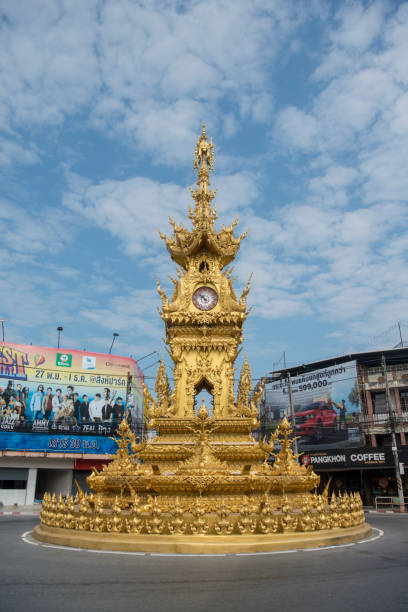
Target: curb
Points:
(16, 513)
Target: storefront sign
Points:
(57, 443)
(349, 458)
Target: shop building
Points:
(345, 411)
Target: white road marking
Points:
(61, 547)
(114, 552)
(380, 534)
(25, 536)
(187, 555)
(25, 539)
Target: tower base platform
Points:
(199, 544)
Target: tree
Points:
(354, 396)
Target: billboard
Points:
(52, 388)
(326, 407)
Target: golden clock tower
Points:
(204, 317)
(203, 483)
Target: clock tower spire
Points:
(204, 317)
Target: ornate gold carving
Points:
(60, 518)
(155, 523)
(267, 522)
(204, 153)
(199, 525)
(115, 522)
(82, 520)
(98, 520)
(306, 520)
(244, 388)
(288, 520)
(176, 523)
(135, 523)
(224, 525)
(246, 522)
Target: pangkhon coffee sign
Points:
(362, 457)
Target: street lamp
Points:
(59, 330)
(280, 375)
(115, 335)
(394, 448)
(2, 326)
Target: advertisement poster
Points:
(53, 388)
(326, 403)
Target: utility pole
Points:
(128, 388)
(292, 412)
(278, 376)
(2, 326)
(400, 335)
(391, 414)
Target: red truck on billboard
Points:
(315, 420)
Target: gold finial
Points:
(244, 387)
(202, 411)
(204, 154)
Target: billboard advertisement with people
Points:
(325, 402)
(53, 389)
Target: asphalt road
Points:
(359, 578)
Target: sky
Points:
(101, 104)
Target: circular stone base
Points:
(199, 544)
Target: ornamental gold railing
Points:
(312, 513)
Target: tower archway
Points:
(204, 390)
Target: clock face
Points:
(205, 298)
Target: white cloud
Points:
(46, 59)
(166, 131)
(297, 128)
(351, 224)
(12, 151)
(150, 73)
(24, 232)
(358, 27)
(130, 313)
(134, 210)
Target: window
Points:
(379, 403)
(204, 391)
(404, 399)
(203, 267)
(13, 484)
